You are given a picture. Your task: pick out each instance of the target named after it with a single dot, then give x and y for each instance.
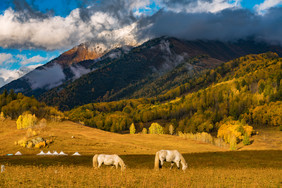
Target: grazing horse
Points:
(113, 160)
(172, 156)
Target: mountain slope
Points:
(244, 90)
(150, 69)
(68, 66)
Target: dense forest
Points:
(247, 90)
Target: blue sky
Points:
(33, 32)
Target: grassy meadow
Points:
(257, 165)
(212, 169)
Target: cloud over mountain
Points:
(123, 22)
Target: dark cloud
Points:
(28, 11)
(230, 24)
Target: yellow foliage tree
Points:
(132, 128)
(156, 128)
(233, 130)
(144, 131)
(26, 121)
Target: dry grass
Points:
(208, 165)
(220, 169)
(90, 141)
(267, 139)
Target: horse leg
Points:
(161, 163)
(99, 165)
(116, 165)
(171, 165)
(177, 164)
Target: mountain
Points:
(149, 69)
(68, 66)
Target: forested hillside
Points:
(12, 105)
(246, 90)
(148, 70)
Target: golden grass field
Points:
(257, 165)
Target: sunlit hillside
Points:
(71, 137)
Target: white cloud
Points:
(7, 75)
(35, 59)
(261, 8)
(119, 22)
(5, 58)
(199, 6)
(46, 77)
(57, 32)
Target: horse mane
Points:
(95, 161)
(157, 161)
(121, 163)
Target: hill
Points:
(90, 140)
(72, 137)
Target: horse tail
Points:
(157, 161)
(95, 161)
(121, 163)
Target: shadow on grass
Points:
(232, 160)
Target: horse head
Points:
(184, 166)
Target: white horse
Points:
(113, 160)
(172, 156)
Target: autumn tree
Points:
(26, 120)
(156, 128)
(132, 128)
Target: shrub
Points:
(156, 128)
(132, 128)
(246, 140)
(144, 131)
(2, 117)
(30, 132)
(171, 129)
(42, 123)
